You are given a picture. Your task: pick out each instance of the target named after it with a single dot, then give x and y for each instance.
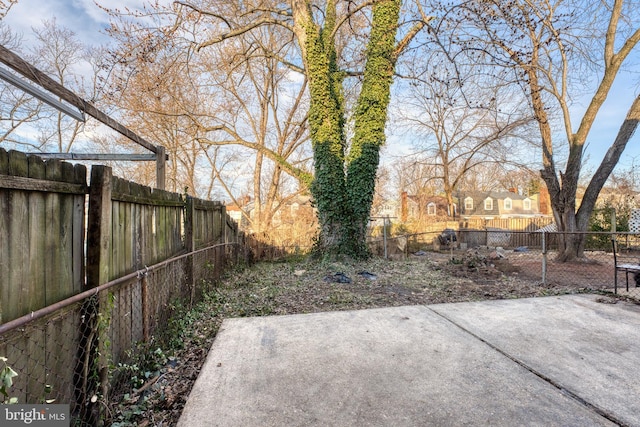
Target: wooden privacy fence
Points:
(69, 309)
(510, 232)
(42, 230)
(471, 233)
(512, 224)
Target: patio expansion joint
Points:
(543, 377)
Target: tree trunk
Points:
(343, 187)
(569, 241)
(370, 120)
(325, 121)
(575, 224)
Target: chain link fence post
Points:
(544, 257)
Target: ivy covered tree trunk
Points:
(370, 119)
(326, 122)
(344, 182)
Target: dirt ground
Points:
(280, 288)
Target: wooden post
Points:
(92, 367)
(544, 258)
(190, 244)
(189, 239)
(223, 214)
(99, 227)
(223, 236)
(161, 162)
(384, 236)
(613, 221)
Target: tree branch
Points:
(627, 129)
(242, 30)
(348, 16)
(302, 175)
(402, 44)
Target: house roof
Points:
(479, 198)
(495, 195)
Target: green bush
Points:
(600, 221)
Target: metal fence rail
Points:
(71, 345)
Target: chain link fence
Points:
(533, 256)
(66, 353)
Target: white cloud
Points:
(98, 15)
(27, 14)
(83, 17)
(89, 8)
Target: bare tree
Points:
(321, 41)
(413, 176)
(17, 108)
(5, 6)
(520, 180)
(460, 118)
(265, 114)
(553, 48)
(33, 126)
(58, 52)
(241, 116)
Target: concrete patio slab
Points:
(583, 344)
(475, 364)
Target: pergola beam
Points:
(101, 157)
(22, 67)
(41, 95)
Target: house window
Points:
(431, 209)
(526, 204)
(468, 203)
(488, 204)
(508, 204)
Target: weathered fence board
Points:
(147, 226)
(17, 298)
(42, 227)
(4, 251)
(43, 261)
(204, 214)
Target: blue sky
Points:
(80, 16)
(611, 116)
(88, 21)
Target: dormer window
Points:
(508, 204)
(526, 204)
(488, 204)
(468, 204)
(431, 209)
